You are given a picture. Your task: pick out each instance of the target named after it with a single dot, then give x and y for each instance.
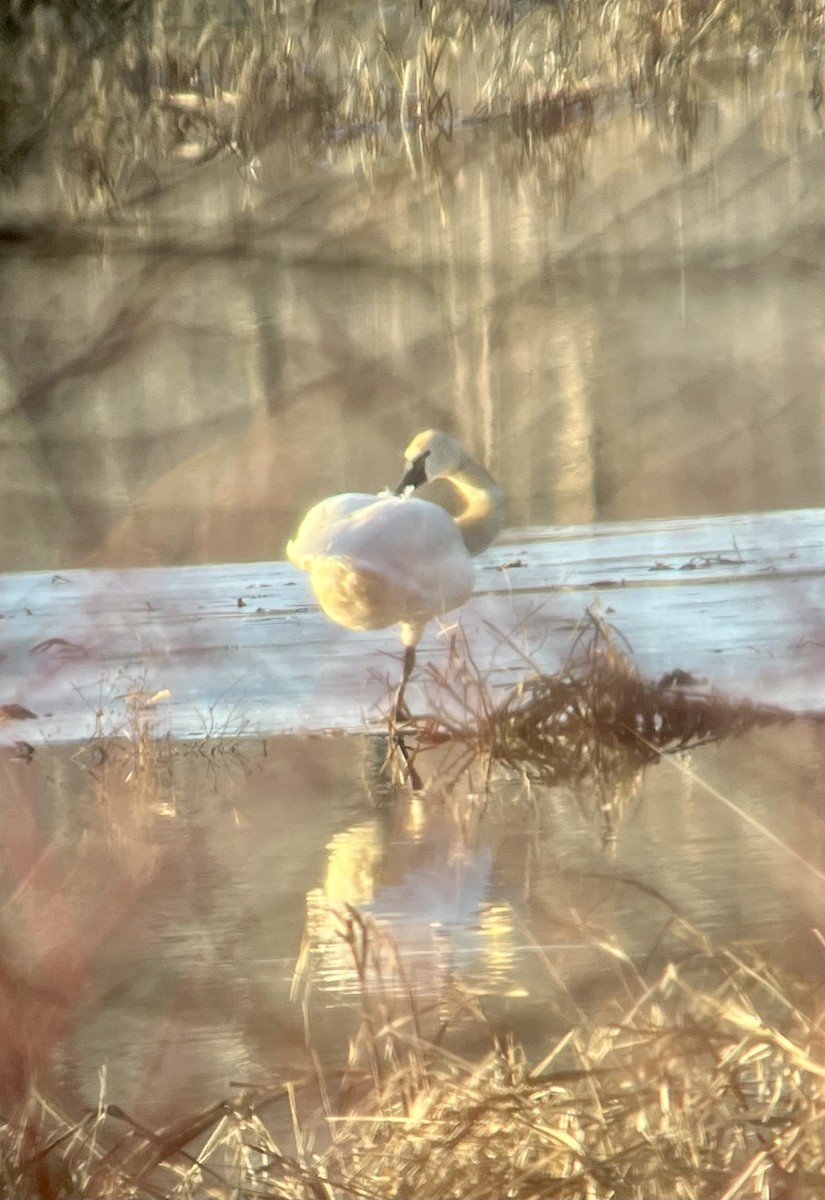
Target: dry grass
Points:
(706, 1079)
(116, 107)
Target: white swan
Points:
(398, 558)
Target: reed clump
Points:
(116, 101)
(595, 717)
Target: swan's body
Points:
(375, 561)
(378, 561)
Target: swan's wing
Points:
(317, 532)
(412, 544)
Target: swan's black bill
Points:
(415, 475)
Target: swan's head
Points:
(455, 482)
(431, 455)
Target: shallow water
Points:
(154, 915)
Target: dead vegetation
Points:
(116, 103)
(702, 1078)
(595, 720)
(699, 1081)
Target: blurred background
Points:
(219, 305)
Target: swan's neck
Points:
(481, 515)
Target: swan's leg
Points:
(400, 712)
